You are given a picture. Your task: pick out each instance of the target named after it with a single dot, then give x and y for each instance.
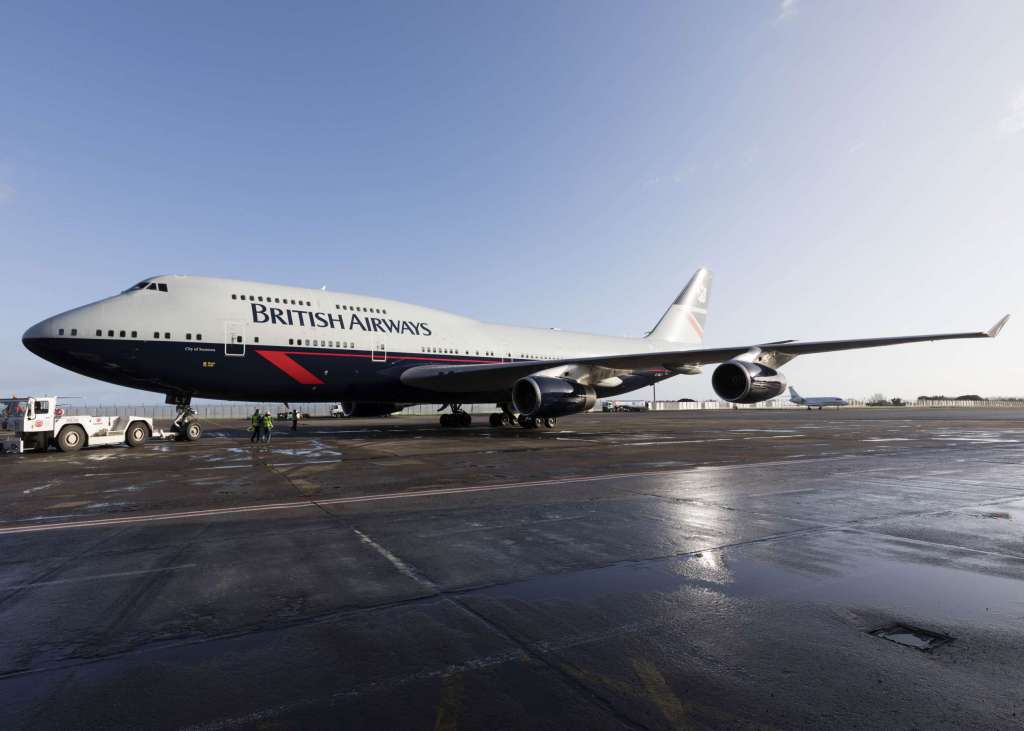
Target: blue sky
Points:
(846, 169)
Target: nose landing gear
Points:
(185, 424)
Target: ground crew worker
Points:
(268, 424)
(295, 419)
(257, 426)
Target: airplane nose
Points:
(35, 337)
(34, 332)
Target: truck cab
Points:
(31, 414)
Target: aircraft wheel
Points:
(70, 439)
(446, 420)
(192, 431)
(137, 434)
(550, 422)
(494, 419)
(463, 418)
(505, 419)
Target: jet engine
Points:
(742, 382)
(543, 397)
(369, 408)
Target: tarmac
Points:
(845, 568)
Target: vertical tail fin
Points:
(683, 322)
(794, 396)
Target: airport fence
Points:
(953, 403)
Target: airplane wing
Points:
(496, 376)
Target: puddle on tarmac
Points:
(915, 637)
(592, 583)
(894, 587)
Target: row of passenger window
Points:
(455, 351)
(353, 308)
(487, 353)
(271, 300)
(134, 334)
(321, 343)
(286, 301)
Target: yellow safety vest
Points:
(268, 422)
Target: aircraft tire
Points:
(463, 418)
(550, 422)
(192, 431)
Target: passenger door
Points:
(379, 354)
(234, 338)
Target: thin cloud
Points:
(1013, 122)
(787, 9)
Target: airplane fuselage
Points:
(238, 340)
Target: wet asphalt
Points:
(744, 569)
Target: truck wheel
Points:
(192, 431)
(71, 438)
(137, 434)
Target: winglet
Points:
(994, 330)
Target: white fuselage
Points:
(204, 327)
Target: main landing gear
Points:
(507, 417)
(457, 418)
(536, 422)
(185, 424)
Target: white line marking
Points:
(299, 464)
(403, 568)
(117, 575)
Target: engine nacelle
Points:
(541, 396)
(742, 382)
(369, 408)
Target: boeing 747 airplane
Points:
(815, 402)
(188, 337)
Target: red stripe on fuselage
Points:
(289, 366)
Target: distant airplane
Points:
(190, 337)
(815, 401)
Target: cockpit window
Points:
(155, 286)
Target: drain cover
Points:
(919, 639)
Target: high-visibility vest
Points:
(256, 419)
(268, 422)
